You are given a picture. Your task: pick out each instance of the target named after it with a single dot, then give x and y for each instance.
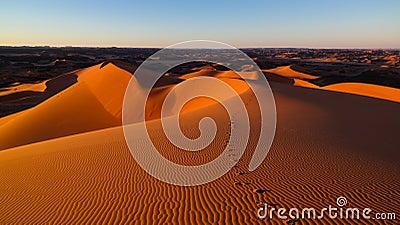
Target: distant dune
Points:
(287, 71)
(370, 90)
(38, 87)
(20, 97)
(327, 144)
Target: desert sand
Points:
(94, 102)
(370, 90)
(38, 87)
(363, 89)
(327, 144)
(287, 71)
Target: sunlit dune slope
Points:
(42, 89)
(211, 73)
(229, 74)
(287, 71)
(303, 83)
(24, 96)
(369, 90)
(38, 87)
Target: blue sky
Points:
(280, 23)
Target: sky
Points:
(279, 23)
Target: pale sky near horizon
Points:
(280, 23)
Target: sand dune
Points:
(287, 71)
(38, 87)
(369, 90)
(211, 73)
(314, 159)
(229, 74)
(303, 83)
(25, 96)
(327, 145)
(94, 102)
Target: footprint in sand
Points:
(261, 203)
(240, 173)
(260, 191)
(293, 221)
(241, 183)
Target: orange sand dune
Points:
(25, 96)
(327, 145)
(38, 87)
(50, 87)
(39, 91)
(221, 74)
(210, 73)
(94, 102)
(5, 119)
(303, 83)
(287, 71)
(369, 90)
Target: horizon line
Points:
(157, 47)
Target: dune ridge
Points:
(37, 87)
(362, 89)
(370, 90)
(287, 71)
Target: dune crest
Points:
(368, 90)
(363, 89)
(287, 71)
(38, 87)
